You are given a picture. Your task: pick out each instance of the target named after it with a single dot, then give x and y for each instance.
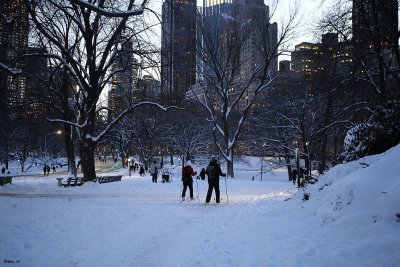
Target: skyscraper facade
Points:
(253, 26)
(255, 22)
(241, 37)
(124, 82)
(14, 29)
(375, 45)
(375, 23)
(178, 49)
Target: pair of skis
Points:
(188, 199)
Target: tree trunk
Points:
(172, 158)
(229, 171)
(87, 161)
(69, 115)
(287, 160)
(123, 159)
(69, 148)
(307, 159)
(324, 137)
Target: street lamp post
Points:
(129, 167)
(309, 160)
(45, 143)
(262, 159)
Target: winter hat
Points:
(213, 158)
(188, 163)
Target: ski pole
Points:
(180, 193)
(226, 191)
(198, 193)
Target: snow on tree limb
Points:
(122, 14)
(10, 70)
(125, 112)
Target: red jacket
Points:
(188, 171)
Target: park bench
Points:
(78, 181)
(73, 181)
(5, 180)
(108, 179)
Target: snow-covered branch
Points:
(10, 70)
(114, 13)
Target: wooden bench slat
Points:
(108, 179)
(78, 181)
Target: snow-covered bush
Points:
(377, 135)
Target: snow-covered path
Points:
(131, 223)
(138, 223)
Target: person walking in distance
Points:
(153, 172)
(141, 170)
(187, 173)
(213, 172)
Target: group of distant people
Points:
(46, 170)
(3, 171)
(298, 176)
(135, 166)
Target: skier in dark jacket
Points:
(187, 173)
(203, 174)
(213, 172)
(141, 170)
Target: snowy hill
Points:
(367, 189)
(349, 220)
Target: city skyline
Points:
(310, 11)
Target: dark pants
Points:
(154, 177)
(185, 186)
(213, 185)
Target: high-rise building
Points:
(37, 74)
(249, 21)
(240, 36)
(217, 8)
(285, 66)
(375, 23)
(375, 45)
(14, 29)
(149, 88)
(255, 24)
(124, 82)
(329, 56)
(178, 49)
(305, 59)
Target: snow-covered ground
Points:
(350, 220)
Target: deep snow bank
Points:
(368, 189)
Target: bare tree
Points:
(188, 134)
(83, 35)
(147, 134)
(232, 78)
(370, 31)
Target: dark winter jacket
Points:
(217, 169)
(203, 174)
